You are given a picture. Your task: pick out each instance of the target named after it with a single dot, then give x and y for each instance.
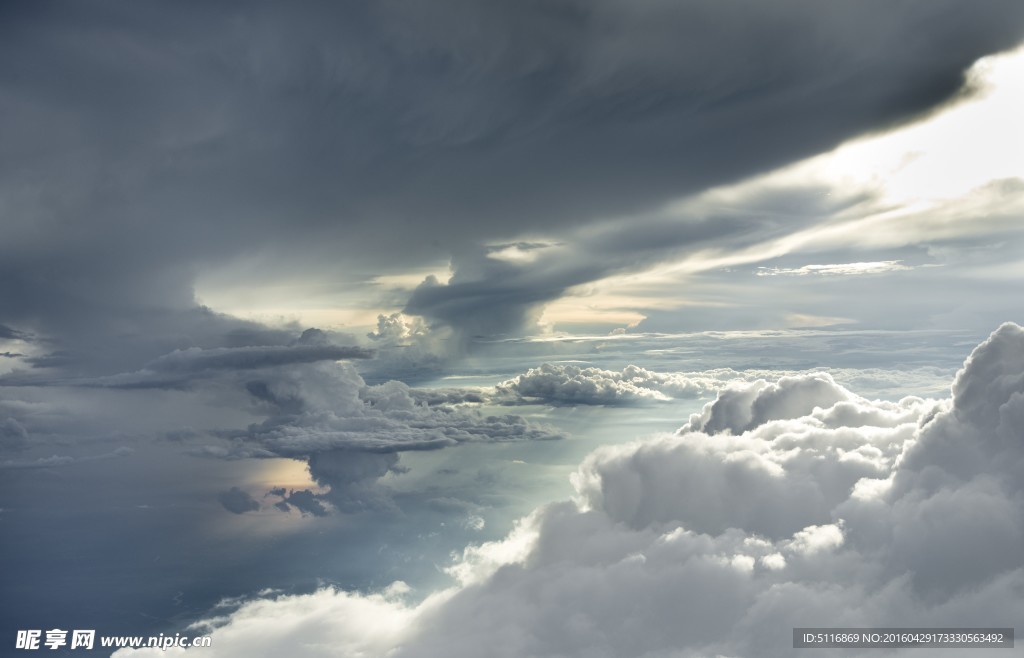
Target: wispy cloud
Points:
(836, 269)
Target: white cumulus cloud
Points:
(572, 384)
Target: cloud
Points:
(571, 384)
(249, 347)
(342, 144)
(195, 359)
(772, 461)
(397, 328)
(321, 149)
(836, 269)
(747, 407)
(980, 435)
(7, 333)
(13, 435)
(350, 434)
(296, 400)
(738, 390)
(901, 514)
(54, 461)
(303, 500)
(329, 406)
(181, 368)
(489, 298)
(41, 462)
(436, 396)
(238, 501)
(407, 349)
(844, 203)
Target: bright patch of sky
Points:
(931, 190)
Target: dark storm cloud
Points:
(177, 369)
(148, 142)
(180, 368)
(11, 334)
(489, 296)
(305, 501)
(13, 436)
(237, 501)
(250, 358)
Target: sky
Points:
(550, 328)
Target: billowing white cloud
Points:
(397, 329)
(771, 458)
(747, 406)
(571, 384)
(810, 507)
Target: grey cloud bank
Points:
(237, 501)
(350, 434)
(340, 141)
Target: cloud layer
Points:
(305, 404)
(341, 143)
(807, 506)
(350, 434)
(741, 391)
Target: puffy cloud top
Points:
(982, 435)
(571, 384)
(748, 406)
(992, 380)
